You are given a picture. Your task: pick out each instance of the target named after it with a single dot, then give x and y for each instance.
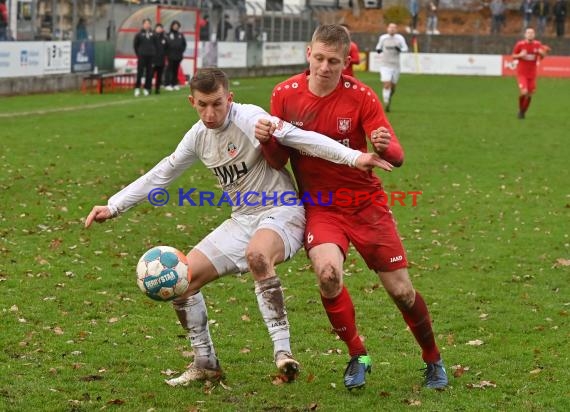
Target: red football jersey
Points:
(527, 65)
(348, 115)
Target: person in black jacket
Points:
(559, 12)
(175, 52)
(145, 49)
(160, 56)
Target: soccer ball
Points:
(163, 273)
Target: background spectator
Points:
(414, 8)
(3, 21)
(223, 28)
(160, 56)
(541, 11)
(204, 28)
(559, 10)
(432, 9)
(81, 30)
(527, 8)
(145, 49)
(497, 16)
(175, 53)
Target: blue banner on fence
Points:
(82, 56)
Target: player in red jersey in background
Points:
(345, 109)
(354, 54)
(528, 52)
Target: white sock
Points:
(386, 95)
(193, 316)
(271, 304)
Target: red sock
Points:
(419, 322)
(526, 103)
(340, 311)
(521, 103)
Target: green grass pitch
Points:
(488, 243)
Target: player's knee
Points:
(330, 280)
(403, 296)
(257, 262)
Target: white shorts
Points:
(389, 74)
(225, 247)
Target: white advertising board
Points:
(435, 63)
(282, 54)
(57, 57)
(20, 59)
(232, 54)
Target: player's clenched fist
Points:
(98, 214)
(263, 130)
(381, 138)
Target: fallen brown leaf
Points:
(562, 262)
(244, 350)
(535, 371)
(313, 406)
(310, 378)
(476, 342)
(116, 402)
(384, 394)
(55, 243)
(279, 380)
(226, 387)
(413, 402)
(245, 318)
(57, 330)
(482, 385)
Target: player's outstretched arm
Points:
(98, 214)
(275, 154)
(256, 122)
(368, 161)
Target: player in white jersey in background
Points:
(390, 45)
(258, 235)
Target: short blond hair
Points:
(332, 34)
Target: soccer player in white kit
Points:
(390, 45)
(258, 235)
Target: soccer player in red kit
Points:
(354, 54)
(322, 99)
(528, 52)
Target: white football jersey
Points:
(234, 156)
(390, 56)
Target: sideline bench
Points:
(107, 82)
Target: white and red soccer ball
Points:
(163, 273)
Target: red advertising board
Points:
(551, 66)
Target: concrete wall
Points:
(40, 84)
(72, 82)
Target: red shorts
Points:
(372, 231)
(527, 83)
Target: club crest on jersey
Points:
(232, 150)
(343, 125)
